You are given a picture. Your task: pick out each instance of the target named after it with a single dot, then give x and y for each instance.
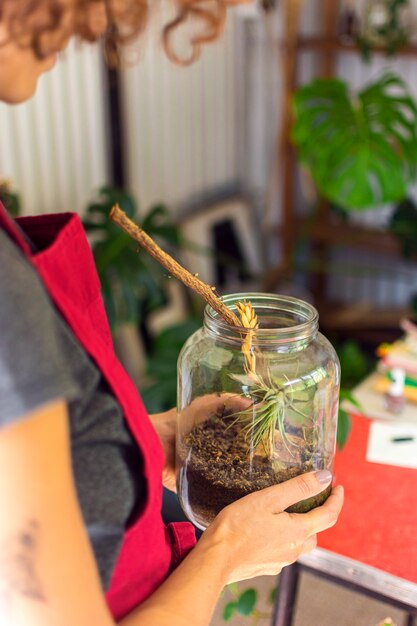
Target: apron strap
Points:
(15, 232)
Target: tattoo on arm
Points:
(18, 567)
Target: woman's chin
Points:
(17, 92)
(51, 61)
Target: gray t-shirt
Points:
(40, 360)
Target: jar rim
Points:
(302, 318)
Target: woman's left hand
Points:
(165, 425)
(199, 410)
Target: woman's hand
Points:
(259, 538)
(165, 425)
(198, 411)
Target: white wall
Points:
(385, 281)
(181, 126)
(53, 148)
(181, 122)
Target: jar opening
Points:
(282, 319)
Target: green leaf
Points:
(347, 395)
(133, 284)
(234, 588)
(361, 150)
(403, 225)
(229, 610)
(413, 304)
(353, 362)
(343, 428)
(273, 595)
(10, 199)
(161, 394)
(246, 602)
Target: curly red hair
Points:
(29, 21)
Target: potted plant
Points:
(360, 149)
(256, 408)
(133, 285)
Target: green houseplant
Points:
(360, 149)
(133, 285)
(390, 32)
(403, 225)
(9, 197)
(361, 152)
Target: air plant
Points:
(271, 401)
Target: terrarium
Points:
(257, 403)
(258, 391)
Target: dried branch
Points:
(174, 268)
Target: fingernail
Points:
(324, 477)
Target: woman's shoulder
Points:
(18, 278)
(32, 367)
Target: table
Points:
(373, 547)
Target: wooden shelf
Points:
(360, 315)
(362, 321)
(333, 44)
(337, 233)
(326, 232)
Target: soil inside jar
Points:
(219, 469)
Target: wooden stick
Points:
(175, 269)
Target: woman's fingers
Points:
(279, 497)
(324, 516)
(203, 407)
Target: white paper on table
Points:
(383, 449)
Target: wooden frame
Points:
(348, 573)
(327, 231)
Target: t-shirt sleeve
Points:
(33, 371)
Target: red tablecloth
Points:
(378, 524)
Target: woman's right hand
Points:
(260, 538)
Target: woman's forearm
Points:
(189, 596)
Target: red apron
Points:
(65, 264)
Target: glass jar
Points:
(255, 408)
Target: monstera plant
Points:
(361, 149)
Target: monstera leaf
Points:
(361, 150)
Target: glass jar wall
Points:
(255, 408)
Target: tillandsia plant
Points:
(266, 414)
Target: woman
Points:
(81, 536)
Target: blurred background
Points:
(208, 159)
